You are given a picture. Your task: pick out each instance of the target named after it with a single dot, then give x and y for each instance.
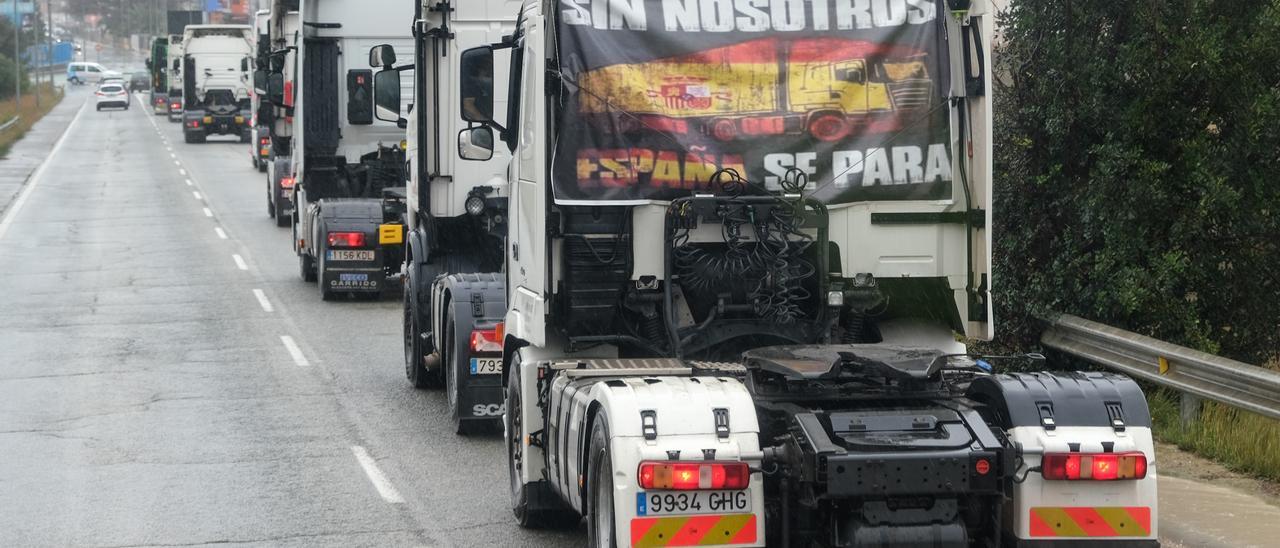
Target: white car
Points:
(82, 73)
(112, 95)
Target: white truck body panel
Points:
(284, 33)
(1131, 497)
(363, 25)
(472, 24)
(219, 58)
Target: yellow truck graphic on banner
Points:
(825, 87)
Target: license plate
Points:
(672, 503)
(350, 255)
(486, 366)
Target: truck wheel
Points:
(414, 349)
(325, 294)
(271, 204)
(601, 528)
(535, 505)
(282, 218)
(449, 361)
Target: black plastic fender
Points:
(350, 215)
(1053, 399)
(475, 301)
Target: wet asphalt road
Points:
(166, 377)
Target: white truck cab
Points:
(742, 244)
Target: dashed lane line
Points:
(262, 301)
(196, 194)
(208, 212)
(221, 233)
(294, 352)
(376, 477)
(239, 262)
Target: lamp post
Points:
(17, 63)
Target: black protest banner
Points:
(659, 94)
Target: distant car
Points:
(86, 73)
(140, 81)
(112, 95)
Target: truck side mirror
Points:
(386, 95)
(476, 84)
(176, 66)
(260, 82)
(382, 56)
(275, 88)
(244, 65)
(476, 143)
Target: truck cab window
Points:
(513, 93)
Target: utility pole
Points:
(17, 62)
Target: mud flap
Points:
(478, 301)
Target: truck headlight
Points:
(475, 204)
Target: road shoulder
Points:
(27, 153)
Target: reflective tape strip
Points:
(693, 530)
(1084, 521)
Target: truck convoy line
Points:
(708, 284)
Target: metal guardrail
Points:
(1191, 372)
(10, 123)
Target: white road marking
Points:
(38, 174)
(182, 172)
(294, 351)
(174, 156)
(196, 194)
(240, 262)
(208, 212)
(266, 305)
(379, 481)
(176, 163)
(221, 234)
(188, 182)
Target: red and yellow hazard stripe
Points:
(1083, 521)
(693, 530)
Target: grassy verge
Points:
(49, 97)
(1242, 441)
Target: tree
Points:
(1137, 169)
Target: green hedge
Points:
(1138, 169)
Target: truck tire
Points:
(449, 361)
(325, 294)
(414, 348)
(282, 218)
(306, 266)
(601, 522)
(535, 505)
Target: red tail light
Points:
(264, 140)
(691, 475)
(346, 239)
(487, 340)
(159, 101)
(1094, 466)
(195, 123)
(286, 182)
(175, 105)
